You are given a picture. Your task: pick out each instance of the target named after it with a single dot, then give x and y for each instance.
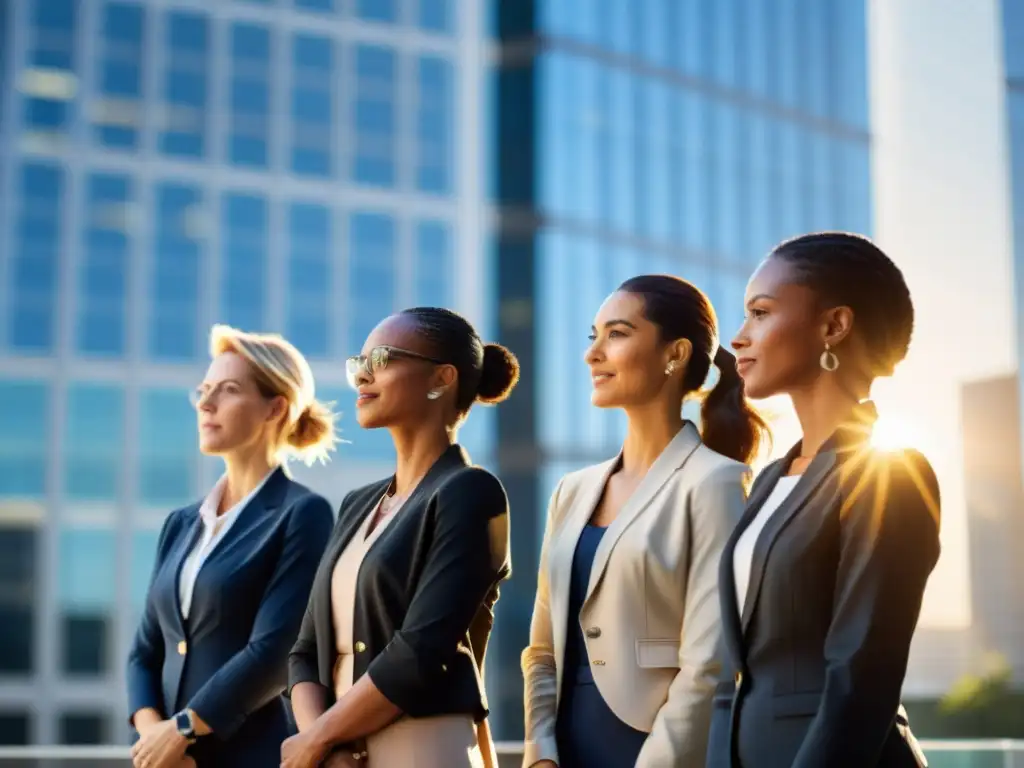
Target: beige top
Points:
(448, 741)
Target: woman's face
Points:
(783, 333)
(627, 357)
(233, 414)
(393, 375)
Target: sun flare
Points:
(891, 434)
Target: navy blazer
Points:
(229, 661)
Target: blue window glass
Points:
(727, 182)
(621, 194)
(693, 50)
(5, 14)
(372, 272)
(24, 427)
(850, 56)
(375, 116)
(103, 270)
(435, 16)
(434, 117)
(434, 273)
(761, 192)
(728, 302)
(143, 557)
(726, 17)
(117, 113)
(580, 20)
(558, 163)
(361, 444)
(786, 52)
(35, 260)
(243, 276)
(1013, 34)
(694, 214)
(657, 42)
(93, 442)
(656, 153)
(854, 173)
(315, 5)
(385, 11)
(310, 279)
(249, 131)
(757, 58)
(617, 25)
(312, 104)
(173, 328)
(820, 184)
(49, 85)
(789, 156)
(86, 593)
(185, 85)
(816, 67)
(167, 448)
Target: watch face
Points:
(184, 724)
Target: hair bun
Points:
(312, 436)
(498, 376)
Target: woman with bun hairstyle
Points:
(388, 666)
(233, 572)
(624, 644)
(821, 583)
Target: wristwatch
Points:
(183, 721)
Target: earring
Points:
(670, 368)
(434, 394)
(828, 360)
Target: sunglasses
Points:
(378, 360)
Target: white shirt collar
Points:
(208, 509)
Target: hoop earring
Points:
(433, 394)
(828, 360)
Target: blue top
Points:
(577, 662)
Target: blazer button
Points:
(598, 663)
(182, 647)
(739, 679)
(360, 646)
(594, 632)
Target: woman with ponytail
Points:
(624, 644)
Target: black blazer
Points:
(816, 661)
(425, 593)
(228, 662)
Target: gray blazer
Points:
(652, 609)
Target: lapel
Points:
(675, 454)
(848, 438)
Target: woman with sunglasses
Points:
(388, 665)
(233, 572)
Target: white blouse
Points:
(214, 528)
(743, 554)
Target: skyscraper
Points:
(1013, 62)
(638, 136)
(304, 166)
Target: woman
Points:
(822, 581)
(392, 646)
(624, 642)
(233, 572)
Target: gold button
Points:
(182, 647)
(598, 663)
(739, 679)
(444, 667)
(594, 632)
(360, 646)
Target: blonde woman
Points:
(233, 571)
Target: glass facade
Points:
(649, 136)
(1013, 35)
(286, 166)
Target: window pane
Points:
(183, 119)
(310, 276)
(312, 105)
(372, 254)
(24, 427)
(117, 113)
(434, 275)
(93, 442)
(167, 448)
(87, 585)
(244, 261)
(315, 5)
(18, 594)
(377, 10)
(375, 116)
(50, 82)
(83, 729)
(435, 16)
(143, 557)
(250, 96)
(35, 260)
(14, 729)
(103, 269)
(173, 332)
(434, 117)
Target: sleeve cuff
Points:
(540, 749)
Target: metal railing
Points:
(982, 753)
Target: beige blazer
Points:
(651, 618)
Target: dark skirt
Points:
(590, 735)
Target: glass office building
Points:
(638, 136)
(1013, 60)
(286, 165)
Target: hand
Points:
(304, 750)
(159, 746)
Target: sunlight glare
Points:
(893, 435)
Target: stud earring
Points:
(670, 368)
(433, 394)
(828, 360)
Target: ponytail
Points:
(729, 424)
